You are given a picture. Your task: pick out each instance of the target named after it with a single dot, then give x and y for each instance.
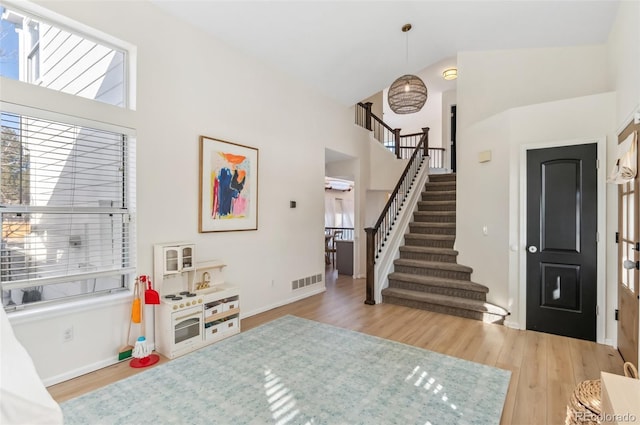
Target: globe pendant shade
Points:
(407, 95)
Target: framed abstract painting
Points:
(228, 186)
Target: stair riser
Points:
(429, 243)
(453, 311)
(435, 196)
(424, 271)
(434, 218)
(430, 206)
(428, 257)
(437, 187)
(433, 230)
(454, 292)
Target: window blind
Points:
(65, 210)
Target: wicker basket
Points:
(584, 404)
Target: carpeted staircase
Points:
(427, 275)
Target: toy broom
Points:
(127, 349)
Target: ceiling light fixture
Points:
(450, 73)
(407, 94)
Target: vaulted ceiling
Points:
(349, 50)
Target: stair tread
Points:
(428, 236)
(439, 281)
(433, 265)
(428, 250)
(434, 212)
(446, 300)
(439, 192)
(441, 183)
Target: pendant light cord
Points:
(407, 50)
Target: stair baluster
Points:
(377, 235)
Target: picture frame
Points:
(228, 195)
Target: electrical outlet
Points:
(67, 334)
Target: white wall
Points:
(190, 85)
(490, 82)
(377, 102)
(624, 61)
(385, 168)
(429, 116)
(482, 200)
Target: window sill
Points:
(66, 308)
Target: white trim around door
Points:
(521, 291)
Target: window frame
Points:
(41, 14)
(23, 98)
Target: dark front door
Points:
(561, 240)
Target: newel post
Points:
(367, 117)
(396, 137)
(371, 252)
(425, 130)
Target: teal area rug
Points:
(297, 371)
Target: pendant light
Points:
(407, 94)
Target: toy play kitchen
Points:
(197, 307)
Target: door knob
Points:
(532, 249)
(628, 264)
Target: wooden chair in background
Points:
(330, 247)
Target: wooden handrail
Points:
(389, 137)
(376, 235)
(382, 123)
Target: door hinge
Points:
(597, 164)
(617, 237)
(617, 314)
(597, 310)
(597, 237)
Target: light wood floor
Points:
(545, 368)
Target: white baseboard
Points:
(244, 315)
(511, 324)
(85, 369)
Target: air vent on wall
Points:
(306, 281)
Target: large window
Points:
(65, 210)
(47, 54)
(66, 180)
